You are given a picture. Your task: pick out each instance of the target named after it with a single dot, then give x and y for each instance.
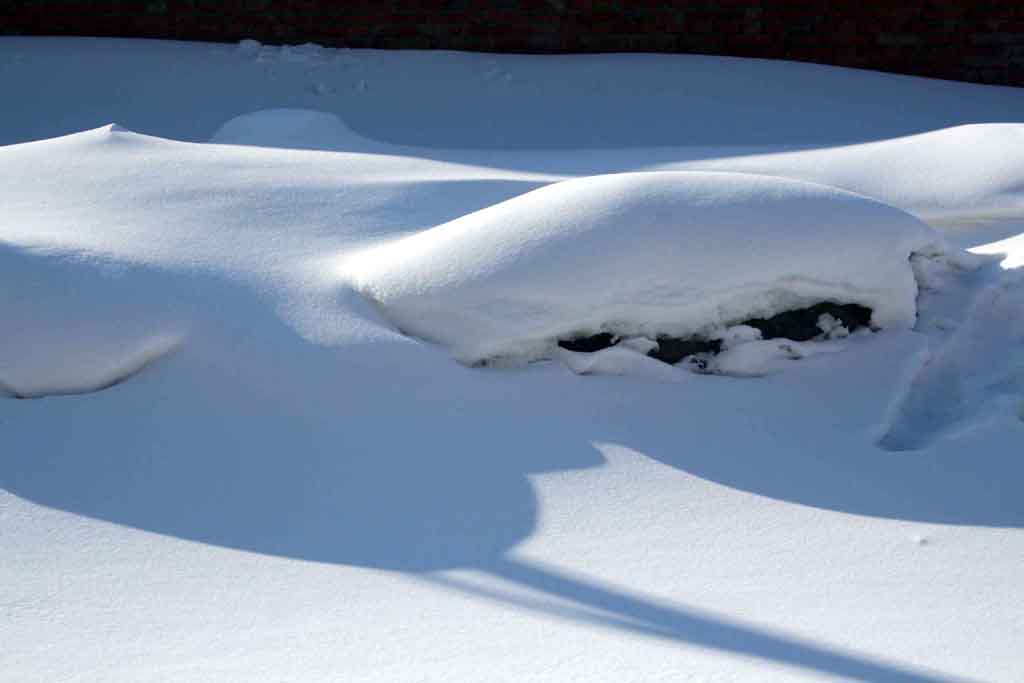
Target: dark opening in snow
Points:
(802, 324)
(594, 342)
(799, 325)
(671, 350)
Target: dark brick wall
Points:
(974, 40)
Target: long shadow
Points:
(610, 607)
(366, 493)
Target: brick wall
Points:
(974, 40)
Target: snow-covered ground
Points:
(228, 451)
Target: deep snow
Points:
(279, 485)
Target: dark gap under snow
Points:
(800, 324)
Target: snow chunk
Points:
(291, 128)
(832, 327)
(763, 357)
(674, 253)
(738, 334)
(621, 360)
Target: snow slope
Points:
(236, 467)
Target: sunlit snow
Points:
(234, 444)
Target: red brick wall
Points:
(975, 40)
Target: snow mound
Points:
(291, 128)
(648, 254)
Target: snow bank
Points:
(673, 253)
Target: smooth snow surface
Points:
(643, 254)
(221, 460)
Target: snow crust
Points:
(678, 254)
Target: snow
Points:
(976, 375)
(80, 325)
(1012, 248)
(621, 359)
(643, 254)
(927, 174)
(762, 357)
(236, 466)
(458, 100)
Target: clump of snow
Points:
(291, 128)
(642, 254)
(762, 357)
(738, 334)
(622, 359)
(832, 327)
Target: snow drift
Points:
(668, 253)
